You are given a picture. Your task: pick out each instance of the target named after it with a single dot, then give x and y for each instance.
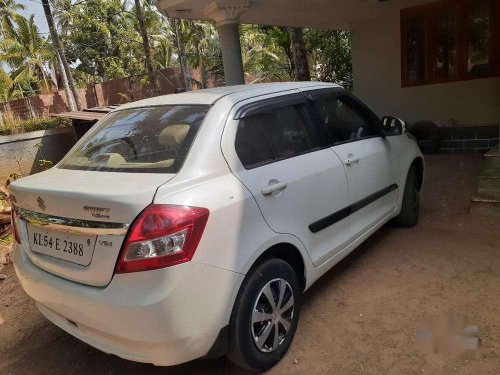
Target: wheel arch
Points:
(408, 160)
(418, 162)
(285, 247)
(288, 253)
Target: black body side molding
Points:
(345, 212)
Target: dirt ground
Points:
(361, 318)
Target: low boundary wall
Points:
(22, 153)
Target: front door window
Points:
(341, 121)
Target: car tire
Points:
(260, 330)
(410, 206)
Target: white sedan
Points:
(189, 225)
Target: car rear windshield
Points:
(148, 140)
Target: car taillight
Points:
(162, 236)
(13, 225)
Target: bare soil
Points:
(360, 318)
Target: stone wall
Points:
(463, 139)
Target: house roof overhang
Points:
(323, 14)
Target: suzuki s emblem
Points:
(41, 203)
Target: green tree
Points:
(330, 54)
(266, 53)
(299, 53)
(5, 86)
(107, 39)
(103, 40)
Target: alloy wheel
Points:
(272, 315)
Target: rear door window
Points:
(275, 135)
(150, 139)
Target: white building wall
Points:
(376, 59)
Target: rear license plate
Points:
(74, 248)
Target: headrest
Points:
(173, 135)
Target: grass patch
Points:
(7, 241)
(24, 126)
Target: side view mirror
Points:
(393, 125)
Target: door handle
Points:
(268, 190)
(351, 161)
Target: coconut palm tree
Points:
(60, 52)
(8, 12)
(163, 52)
(63, 11)
(26, 52)
(202, 48)
(264, 52)
(145, 43)
(278, 36)
(180, 31)
(5, 86)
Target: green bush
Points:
(24, 126)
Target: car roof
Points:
(210, 96)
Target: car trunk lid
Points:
(89, 211)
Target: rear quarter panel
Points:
(236, 233)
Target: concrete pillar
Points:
(231, 53)
(226, 15)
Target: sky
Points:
(35, 7)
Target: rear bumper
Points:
(164, 317)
